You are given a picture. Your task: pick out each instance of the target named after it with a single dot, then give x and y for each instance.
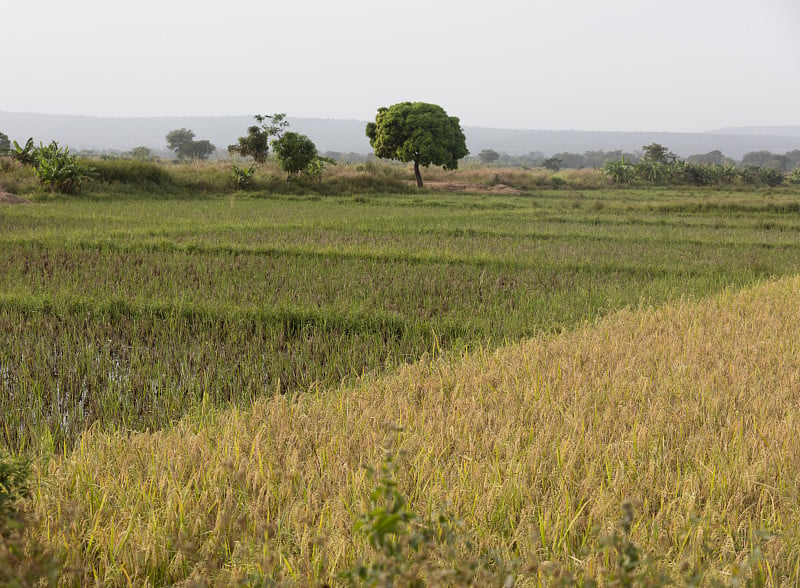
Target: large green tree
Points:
(418, 132)
(5, 142)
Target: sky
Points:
(626, 65)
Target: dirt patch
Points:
(472, 188)
(9, 198)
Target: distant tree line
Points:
(658, 165)
(598, 159)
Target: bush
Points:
(761, 176)
(294, 152)
(57, 169)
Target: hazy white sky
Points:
(679, 65)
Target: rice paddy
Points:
(265, 331)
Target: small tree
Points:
(552, 163)
(418, 132)
(256, 143)
(141, 153)
(197, 149)
(182, 142)
(5, 142)
(488, 156)
(178, 138)
(655, 153)
(294, 152)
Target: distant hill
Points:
(684, 144)
(89, 132)
(784, 131)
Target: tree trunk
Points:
(417, 174)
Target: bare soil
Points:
(472, 188)
(9, 198)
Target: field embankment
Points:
(688, 410)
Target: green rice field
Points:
(129, 312)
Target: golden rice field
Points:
(689, 411)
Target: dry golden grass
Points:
(518, 178)
(690, 411)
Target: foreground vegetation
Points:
(198, 375)
(687, 411)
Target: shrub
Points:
(57, 169)
(699, 174)
(771, 176)
(294, 152)
(761, 176)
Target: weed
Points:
(415, 552)
(23, 563)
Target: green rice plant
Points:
(128, 311)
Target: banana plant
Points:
(243, 176)
(57, 169)
(25, 155)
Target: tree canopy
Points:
(488, 156)
(182, 142)
(656, 153)
(294, 152)
(5, 142)
(418, 132)
(256, 143)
